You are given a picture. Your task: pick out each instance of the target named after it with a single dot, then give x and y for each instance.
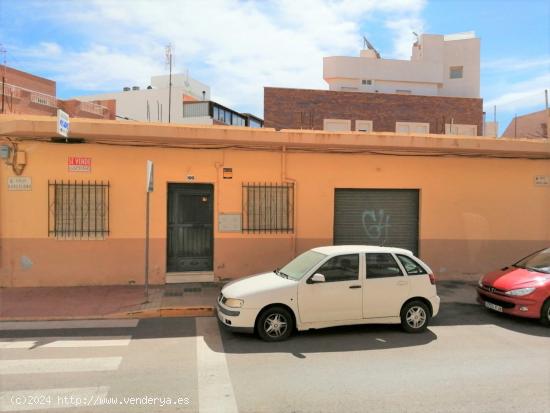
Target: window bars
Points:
(78, 209)
(268, 207)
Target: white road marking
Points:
(88, 343)
(50, 325)
(66, 365)
(25, 400)
(214, 384)
(17, 344)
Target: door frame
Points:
(212, 193)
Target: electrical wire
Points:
(327, 150)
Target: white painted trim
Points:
(341, 125)
(412, 127)
(189, 277)
(362, 124)
(460, 129)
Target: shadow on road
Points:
(336, 339)
(458, 308)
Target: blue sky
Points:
(237, 47)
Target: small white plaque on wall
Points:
(542, 180)
(19, 183)
(229, 222)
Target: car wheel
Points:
(275, 324)
(545, 313)
(415, 317)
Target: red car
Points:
(523, 289)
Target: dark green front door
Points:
(190, 227)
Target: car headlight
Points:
(520, 291)
(234, 303)
(480, 282)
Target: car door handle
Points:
(354, 286)
(402, 283)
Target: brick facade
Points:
(306, 109)
(25, 93)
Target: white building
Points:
(440, 65)
(150, 104)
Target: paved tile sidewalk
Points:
(61, 303)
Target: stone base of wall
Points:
(48, 262)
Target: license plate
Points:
(493, 306)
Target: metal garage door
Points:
(387, 217)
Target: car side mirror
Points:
(317, 278)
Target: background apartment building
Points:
(25, 93)
(186, 102)
(440, 65)
(531, 125)
(436, 91)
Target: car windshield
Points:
(539, 261)
(300, 265)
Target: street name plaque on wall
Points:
(542, 180)
(19, 183)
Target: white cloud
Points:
(403, 29)
(235, 47)
(516, 64)
(521, 96)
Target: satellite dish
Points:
(368, 45)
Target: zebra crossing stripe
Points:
(51, 325)
(214, 384)
(17, 344)
(65, 365)
(68, 398)
(88, 343)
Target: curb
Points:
(195, 311)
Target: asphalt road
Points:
(470, 360)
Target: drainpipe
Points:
(286, 179)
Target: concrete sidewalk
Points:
(70, 303)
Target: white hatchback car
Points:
(333, 286)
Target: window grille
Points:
(268, 207)
(78, 209)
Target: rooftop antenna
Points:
(3, 52)
(186, 77)
(417, 37)
(169, 60)
(368, 45)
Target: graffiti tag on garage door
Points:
(376, 225)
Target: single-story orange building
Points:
(231, 201)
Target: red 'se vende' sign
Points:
(80, 164)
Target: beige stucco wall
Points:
(475, 213)
(427, 73)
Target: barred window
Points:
(268, 207)
(78, 209)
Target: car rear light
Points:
(432, 278)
